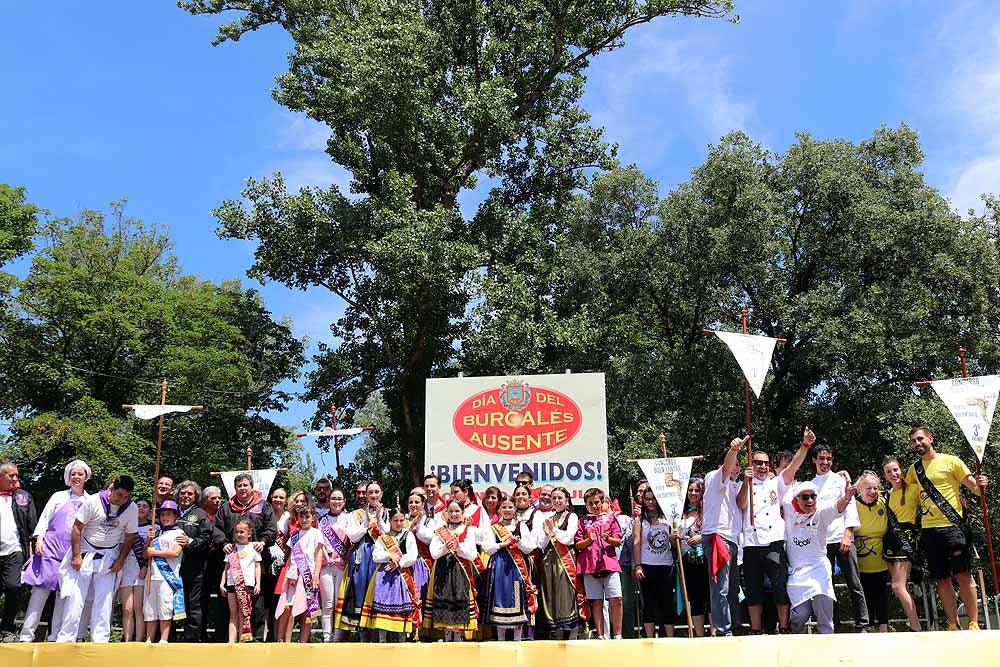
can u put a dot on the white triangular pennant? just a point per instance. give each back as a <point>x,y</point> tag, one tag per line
<point>329,431</point>
<point>972,402</point>
<point>753,354</point>
<point>262,480</point>
<point>154,411</point>
<point>668,479</point>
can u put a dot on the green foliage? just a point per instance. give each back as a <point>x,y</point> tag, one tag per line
<point>420,98</point>
<point>102,315</point>
<point>18,222</point>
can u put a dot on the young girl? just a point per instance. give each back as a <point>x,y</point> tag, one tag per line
<point>133,581</point>
<point>508,598</point>
<point>300,597</point>
<point>693,553</point>
<point>241,582</point>
<point>451,596</point>
<point>393,600</point>
<point>900,547</point>
<point>561,588</point>
<point>654,566</point>
<point>165,602</point>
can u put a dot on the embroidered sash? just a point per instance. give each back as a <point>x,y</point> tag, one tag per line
<point>242,595</point>
<point>568,563</point>
<point>306,575</point>
<point>522,566</point>
<point>174,581</point>
<point>392,546</point>
<point>452,541</point>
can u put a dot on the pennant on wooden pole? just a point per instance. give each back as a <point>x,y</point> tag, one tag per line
<point>753,354</point>
<point>972,402</point>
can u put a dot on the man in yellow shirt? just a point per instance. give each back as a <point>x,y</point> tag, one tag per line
<point>944,541</point>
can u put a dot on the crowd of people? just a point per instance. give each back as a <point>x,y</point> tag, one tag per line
<point>509,566</point>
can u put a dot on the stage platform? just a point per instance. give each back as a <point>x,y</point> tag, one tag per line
<point>930,649</point>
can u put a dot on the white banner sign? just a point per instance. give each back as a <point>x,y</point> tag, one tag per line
<point>154,411</point>
<point>668,479</point>
<point>753,354</point>
<point>489,429</point>
<point>972,402</point>
<point>328,431</point>
<point>262,480</point>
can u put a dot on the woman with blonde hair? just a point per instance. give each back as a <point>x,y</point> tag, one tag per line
<point>900,545</point>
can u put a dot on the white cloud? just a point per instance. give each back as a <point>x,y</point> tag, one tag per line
<point>972,180</point>
<point>631,92</point>
<point>299,132</point>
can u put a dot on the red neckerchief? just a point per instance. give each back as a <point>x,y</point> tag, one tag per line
<point>235,505</point>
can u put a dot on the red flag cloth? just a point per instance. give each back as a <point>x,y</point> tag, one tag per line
<point>616,508</point>
<point>720,556</point>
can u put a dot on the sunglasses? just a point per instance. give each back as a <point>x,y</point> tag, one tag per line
<point>761,463</point>
<point>807,496</point>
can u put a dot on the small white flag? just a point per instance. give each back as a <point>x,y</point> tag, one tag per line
<point>668,479</point>
<point>154,411</point>
<point>972,402</point>
<point>329,431</point>
<point>262,480</point>
<point>753,354</point>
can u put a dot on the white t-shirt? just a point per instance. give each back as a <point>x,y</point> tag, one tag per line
<point>9,542</point>
<point>768,525</point>
<point>654,544</point>
<point>721,513</point>
<point>248,556</point>
<point>55,503</point>
<point>309,540</point>
<point>831,489</point>
<point>167,539</point>
<point>105,530</point>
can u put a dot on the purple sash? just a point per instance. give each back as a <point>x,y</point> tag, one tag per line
<point>338,545</point>
<point>312,594</point>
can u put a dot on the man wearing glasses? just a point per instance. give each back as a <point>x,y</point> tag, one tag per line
<point>763,543</point>
<point>807,521</point>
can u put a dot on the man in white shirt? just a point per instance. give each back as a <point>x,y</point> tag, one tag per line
<point>763,543</point>
<point>720,535</point>
<point>103,533</point>
<point>807,521</point>
<point>840,535</point>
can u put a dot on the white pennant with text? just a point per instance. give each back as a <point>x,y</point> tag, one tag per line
<point>972,402</point>
<point>753,354</point>
<point>154,411</point>
<point>668,479</point>
<point>262,480</point>
<point>338,432</point>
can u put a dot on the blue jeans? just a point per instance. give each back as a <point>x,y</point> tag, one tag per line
<point>724,593</point>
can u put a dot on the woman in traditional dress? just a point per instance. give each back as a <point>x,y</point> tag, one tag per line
<point>563,602</point>
<point>523,510</point>
<point>693,553</point>
<point>364,527</point>
<point>50,542</point>
<point>507,600</point>
<point>422,527</point>
<point>132,586</point>
<point>899,548</point>
<point>392,604</point>
<point>491,503</point>
<point>300,593</point>
<point>451,596</point>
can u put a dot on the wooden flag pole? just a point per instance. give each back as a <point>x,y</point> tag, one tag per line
<point>982,497</point>
<point>156,476</point>
<point>680,558</point>
<point>336,447</point>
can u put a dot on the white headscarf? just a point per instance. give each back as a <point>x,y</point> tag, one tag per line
<point>75,464</point>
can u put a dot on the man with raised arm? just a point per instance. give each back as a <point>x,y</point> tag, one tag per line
<point>810,577</point>
<point>720,535</point>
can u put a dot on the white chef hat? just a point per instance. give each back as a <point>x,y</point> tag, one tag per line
<point>75,464</point>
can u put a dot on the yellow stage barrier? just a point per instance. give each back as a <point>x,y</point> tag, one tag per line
<point>931,649</point>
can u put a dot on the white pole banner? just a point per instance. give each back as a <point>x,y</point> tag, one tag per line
<point>328,431</point>
<point>154,411</point>
<point>489,429</point>
<point>262,480</point>
<point>753,354</point>
<point>972,402</point>
<point>668,479</point>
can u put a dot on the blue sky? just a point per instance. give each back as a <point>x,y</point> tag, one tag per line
<point>129,99</point>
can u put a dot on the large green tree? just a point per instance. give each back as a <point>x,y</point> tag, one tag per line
<point>420,98</point>
<point>102,315</point>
